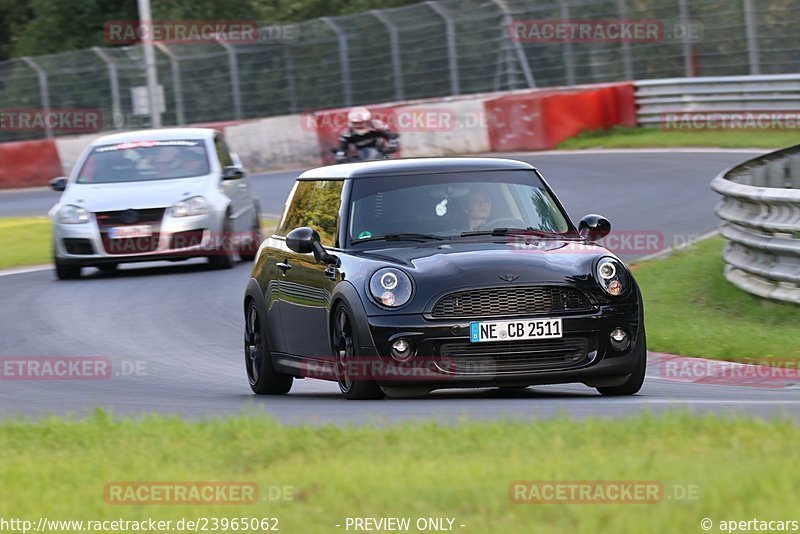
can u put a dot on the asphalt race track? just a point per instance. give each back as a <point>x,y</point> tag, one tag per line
<point>173,332</point>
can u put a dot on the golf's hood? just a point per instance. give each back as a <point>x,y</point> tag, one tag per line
<point>134,195</point>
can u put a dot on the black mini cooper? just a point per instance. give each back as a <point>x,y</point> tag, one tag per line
<point>400,277</point>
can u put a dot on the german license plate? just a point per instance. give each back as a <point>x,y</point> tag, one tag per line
<point>515,330</point>
<point>130,232</point>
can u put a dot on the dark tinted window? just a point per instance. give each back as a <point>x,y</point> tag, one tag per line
<point>451,203</point>
<point>223,154</point>
<point>315,204</point>
<point>145,160</point>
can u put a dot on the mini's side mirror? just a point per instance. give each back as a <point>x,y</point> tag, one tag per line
<point>232,173</point>
<point>58,184</point>
<point>304,240</point>
<point>594,227</point>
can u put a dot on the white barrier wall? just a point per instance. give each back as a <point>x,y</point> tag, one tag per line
<point>275,143</point>
<point>443,128</point>
<point>70,148</point>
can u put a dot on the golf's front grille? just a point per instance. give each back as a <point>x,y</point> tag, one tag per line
<point>508,357</point>
<point>130,246</point>
<point>501,301</point>
<point>125,217</point>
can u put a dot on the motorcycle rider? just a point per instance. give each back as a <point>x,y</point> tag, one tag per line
<point>367,135</point>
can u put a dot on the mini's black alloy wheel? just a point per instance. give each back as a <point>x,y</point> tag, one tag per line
<point>263,378</point>
<point>345,346</point>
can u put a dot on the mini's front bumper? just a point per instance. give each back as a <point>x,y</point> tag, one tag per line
<point>173,238</point>
<point>445,357</point>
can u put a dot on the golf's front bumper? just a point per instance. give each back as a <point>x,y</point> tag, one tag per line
<point>174,238</point>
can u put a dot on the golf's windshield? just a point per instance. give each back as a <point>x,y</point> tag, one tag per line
<point>446,205</point>
<point>144,161</point>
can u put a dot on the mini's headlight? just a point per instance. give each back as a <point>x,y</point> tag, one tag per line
<point>71,214</point>
<point>189,207</point>
<point>611,277</point>
<point>390,287</point>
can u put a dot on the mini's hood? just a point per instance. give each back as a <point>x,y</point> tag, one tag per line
<point>133,195</point>
<point>438,269</point>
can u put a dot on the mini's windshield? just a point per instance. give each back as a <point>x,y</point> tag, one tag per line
<point>144,161</point>
<point>452,205</point>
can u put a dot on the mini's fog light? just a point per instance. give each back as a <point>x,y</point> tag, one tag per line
<point>619,339</point>
<point>401,350</point>
<point>615,287</point>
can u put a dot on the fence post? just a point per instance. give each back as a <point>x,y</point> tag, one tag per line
<point>234,67</point>
<point>515,44</point>
<point>113,78</point>
<point>752,37</point>
<point>291,87</point>
<point>569,51</point>
<point>627,62</point>
<point>44,94</point>
<point>688,67</point>
<point>177,87</point>
<point>452,49</point>
<point>394,42</point>
<point>344,60</point>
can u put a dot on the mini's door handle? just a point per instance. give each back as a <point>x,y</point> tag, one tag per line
<point>283,266</point>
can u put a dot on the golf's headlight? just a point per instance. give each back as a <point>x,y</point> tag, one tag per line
<point>190,206</point>
<point>390,287</point>
<point>70,214</point>
<point>611,276</point>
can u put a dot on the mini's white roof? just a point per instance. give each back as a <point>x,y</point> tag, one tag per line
<point>162,134</point>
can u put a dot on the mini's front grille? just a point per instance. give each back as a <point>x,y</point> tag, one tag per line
<point>78,246</point>
<point>502,301</point>
<point>126,217</point>
<point>466,358</point>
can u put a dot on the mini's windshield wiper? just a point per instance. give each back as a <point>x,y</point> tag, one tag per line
<point>399,237</point>
<point>505,231</point>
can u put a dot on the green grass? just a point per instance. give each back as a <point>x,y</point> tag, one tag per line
<point>59,469</point>
<point>690,309</point>
<point>630,137</point>
<point>24,241</point>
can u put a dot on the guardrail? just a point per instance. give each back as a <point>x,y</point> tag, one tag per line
<point>768,93</point>
<point>760,218</point>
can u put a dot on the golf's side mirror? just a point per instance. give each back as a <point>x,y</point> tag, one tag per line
<point>232,173</point>
<point>58,184</point>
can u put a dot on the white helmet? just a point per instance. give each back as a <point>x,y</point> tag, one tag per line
<point>359,120</point>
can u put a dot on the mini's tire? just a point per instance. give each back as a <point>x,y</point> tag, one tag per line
<point>261,373</point>
<point>636,379</point>
<point>345,342</point>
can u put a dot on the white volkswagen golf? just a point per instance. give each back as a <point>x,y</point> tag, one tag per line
<point>152,195</point>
